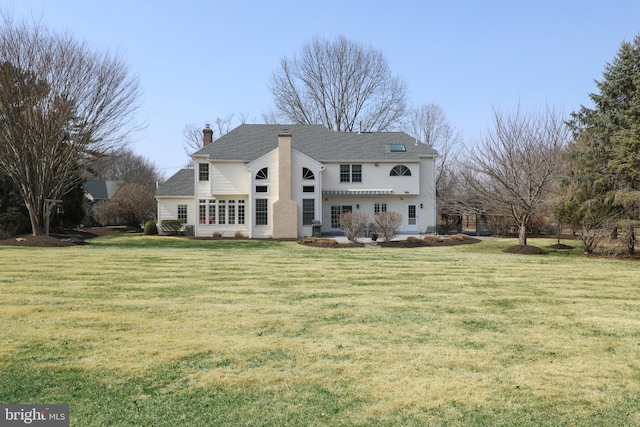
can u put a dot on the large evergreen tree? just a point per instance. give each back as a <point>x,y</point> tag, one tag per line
<point>605,160</point>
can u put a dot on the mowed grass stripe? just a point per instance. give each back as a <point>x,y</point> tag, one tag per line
<point>266,333</point>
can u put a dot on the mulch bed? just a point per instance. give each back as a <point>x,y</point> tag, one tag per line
<point>413,243</point>
<point>525,250</point>
<point>68,238</point>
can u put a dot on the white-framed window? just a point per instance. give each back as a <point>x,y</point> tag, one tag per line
<point>307,174</point>
<point>262,211</point>
<point>308,211</point>
<point>263,173</point>
<point>350,173</point>
<point>336,212</point>
<point>182,213</point>
<point>379,207</point>
<point>240,211</point>
<point>220,211</point>
<point>400,170</point>
<point>232,211</point>
<point>203,171</point>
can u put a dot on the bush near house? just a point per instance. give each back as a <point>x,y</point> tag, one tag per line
<point>387,224</point>
<point>353,223</point>
<point>150,228</point>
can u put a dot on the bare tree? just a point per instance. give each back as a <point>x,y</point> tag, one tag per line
<point>60,105</point>
<point>132,205</point>
<point>127,167</point>
<point>429,125</point>
<point>513,168</point>
<point>339,84</point>
<point>192,134</point>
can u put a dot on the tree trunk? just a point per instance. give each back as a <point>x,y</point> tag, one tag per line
<point>38,226</point>
<point>522,234</point>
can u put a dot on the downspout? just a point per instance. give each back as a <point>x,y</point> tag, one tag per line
<point>248,214</point>
<point>320,213</point>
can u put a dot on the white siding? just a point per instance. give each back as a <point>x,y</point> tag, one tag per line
<point>270,161</point>
<point>375,177</point>
<point>229,179</point>
<point>168,209</point>
<point>427,216</point>
<point>300,161</point>
<point>417,189</point>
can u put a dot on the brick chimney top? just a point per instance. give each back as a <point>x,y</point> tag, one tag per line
<point>207,135</point>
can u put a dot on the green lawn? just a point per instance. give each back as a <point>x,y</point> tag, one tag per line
<point>146,330</point>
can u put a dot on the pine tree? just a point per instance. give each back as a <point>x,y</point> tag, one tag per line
<point>605,157</point>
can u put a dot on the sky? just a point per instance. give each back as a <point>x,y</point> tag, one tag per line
<point>199,60</point>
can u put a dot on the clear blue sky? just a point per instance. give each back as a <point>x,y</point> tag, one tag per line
<point>202,59</point>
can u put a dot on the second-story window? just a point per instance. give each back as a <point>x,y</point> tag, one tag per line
<point>350,173</point>
<point>307,174</point>
<point>400,170</point>
<point>263,173</point>
<point>203,171</point>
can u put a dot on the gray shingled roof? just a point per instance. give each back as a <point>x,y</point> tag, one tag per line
<point>249,142</point>
<point>101,190</point>
<point>180,184</point>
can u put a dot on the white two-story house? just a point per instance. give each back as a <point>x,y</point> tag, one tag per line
<point>277,181</point>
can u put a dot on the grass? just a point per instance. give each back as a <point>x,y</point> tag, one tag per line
<point>144,330</point>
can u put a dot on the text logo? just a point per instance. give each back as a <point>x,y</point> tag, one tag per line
<point>34,415</point>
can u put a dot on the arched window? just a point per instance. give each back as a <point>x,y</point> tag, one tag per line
<point>263,173</point>
<point>400,170</point>
<point>307,174</point>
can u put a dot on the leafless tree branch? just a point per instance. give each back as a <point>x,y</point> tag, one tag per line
<point>61,104</point>
<point>339,84</point>
<point>514,167</point>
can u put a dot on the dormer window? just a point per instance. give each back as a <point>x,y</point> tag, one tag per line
<point>307,174</point>
<point>400,170</point>
<point>263,173</point>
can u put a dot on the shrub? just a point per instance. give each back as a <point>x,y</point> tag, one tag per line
<point>216,235</point>
<point>318,241</point>
<point>13,223</point>
<point>459,237</point>
<point>172,227</point>
<point>413,239</point>
<point>432,239</point>
<point>353,223</point>
<point>150,228</point>
<point>387,224</point>
<point>238,234</point>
